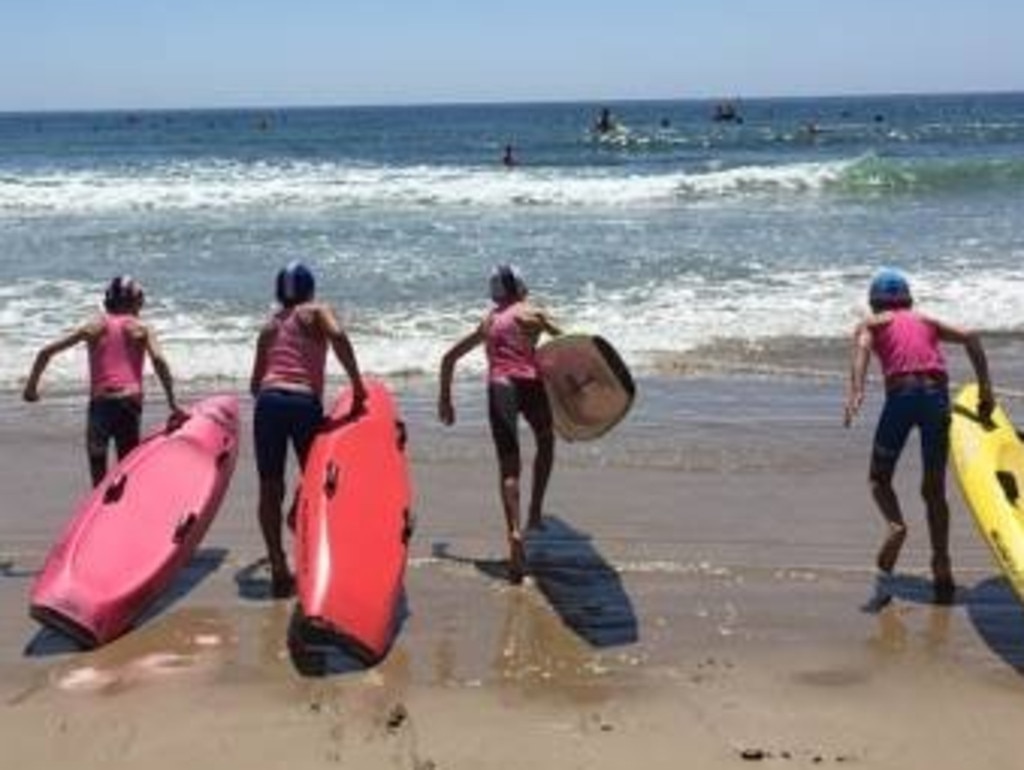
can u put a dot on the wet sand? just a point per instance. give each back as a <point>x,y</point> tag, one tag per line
<point>702,597</point>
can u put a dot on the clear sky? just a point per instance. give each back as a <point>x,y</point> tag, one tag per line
<point>77,54</point>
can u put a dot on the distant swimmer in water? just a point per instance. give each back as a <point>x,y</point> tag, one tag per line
<point>605,123</point>
<point>812,130</point>
<point>726,112</point>
<point>508,159</point>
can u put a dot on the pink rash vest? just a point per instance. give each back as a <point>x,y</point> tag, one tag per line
<point>908,344</point>
<point>295,357</point>
<point>115,360</point>
<point>510,351</point>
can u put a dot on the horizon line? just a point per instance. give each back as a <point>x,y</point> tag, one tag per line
<point>443,103</point>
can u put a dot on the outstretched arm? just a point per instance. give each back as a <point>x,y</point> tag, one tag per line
<point>343,351</point>
<point>42,359</point>
<point>445,410</point>
<point>162,369</point>
<point>259,363</point>
<point>860,357</point>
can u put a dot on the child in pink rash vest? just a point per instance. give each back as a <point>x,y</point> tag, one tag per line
<point>118,344</point>
<point>288,381</point>
<point>908,347</point>
<point>509,334</point>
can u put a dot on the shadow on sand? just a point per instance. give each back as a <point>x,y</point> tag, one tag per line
<point>8,570</point>
<point>992,606</point>
<point>317,652</point>
<point>909,588</point>
<point>580,585</point>
<point>998,615</point>
<point>47,641</point>
<point>253,580</point>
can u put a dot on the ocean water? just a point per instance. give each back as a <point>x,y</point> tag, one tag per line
<point>673,235</point>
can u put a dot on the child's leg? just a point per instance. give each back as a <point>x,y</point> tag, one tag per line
<point>270,498</point>
<point>542,464</point>
<point>503,413</point>
<point>270,439</point>
<point>125,425</point>
<point>97,467</point>
<point>894,426</point>
<point>537,411</point>
<point>934,457</point>
<point>933,489</point>
<point>97,438</point>
<point>308,419</point>
<point>889,506</point>
<point>509,468</point>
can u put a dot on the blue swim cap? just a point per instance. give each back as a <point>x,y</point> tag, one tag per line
<point>295,284</point>
<point>507,284</point>
<point>889,289</point>
<point>123,295</point>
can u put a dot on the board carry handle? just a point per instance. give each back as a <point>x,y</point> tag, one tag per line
<point>408,527</point>
<point>331,479</point>
<point>974,417</point>
<point>115,490</point>
<point>1008,483</point>
<point>401,435</point>
<point>184,526</point>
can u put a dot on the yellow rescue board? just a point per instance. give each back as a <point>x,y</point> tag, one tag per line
<point>989,462</point>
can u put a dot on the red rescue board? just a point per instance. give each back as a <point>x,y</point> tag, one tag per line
<point>353,525</point>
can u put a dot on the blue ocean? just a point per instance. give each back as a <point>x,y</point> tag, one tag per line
<point>678,236</point>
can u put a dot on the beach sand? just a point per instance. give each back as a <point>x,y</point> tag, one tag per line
<point>701,598</point>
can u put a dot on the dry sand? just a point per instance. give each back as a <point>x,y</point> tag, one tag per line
<point>700,599</point>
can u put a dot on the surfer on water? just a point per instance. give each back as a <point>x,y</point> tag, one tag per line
<point>288,382</point>
<point>509,334</point>
<point>118,343</point>
<point>907,344</point>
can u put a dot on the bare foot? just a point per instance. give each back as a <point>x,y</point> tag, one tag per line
<point>517,559</point>
<point>282,586</point>
<point>945,586</point>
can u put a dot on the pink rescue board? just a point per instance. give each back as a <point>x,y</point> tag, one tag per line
<point>133,532</point>
<point>353,525</point>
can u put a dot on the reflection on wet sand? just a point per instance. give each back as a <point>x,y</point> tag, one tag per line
<point>183,642</point>
<point>536,654</point>
<point>992,607</point>
<point>549,634</point>
<point>894,636</point>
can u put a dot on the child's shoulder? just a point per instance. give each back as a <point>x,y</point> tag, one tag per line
<point>93,326</point>
<point>877,320</point>
<point>530,309</point>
